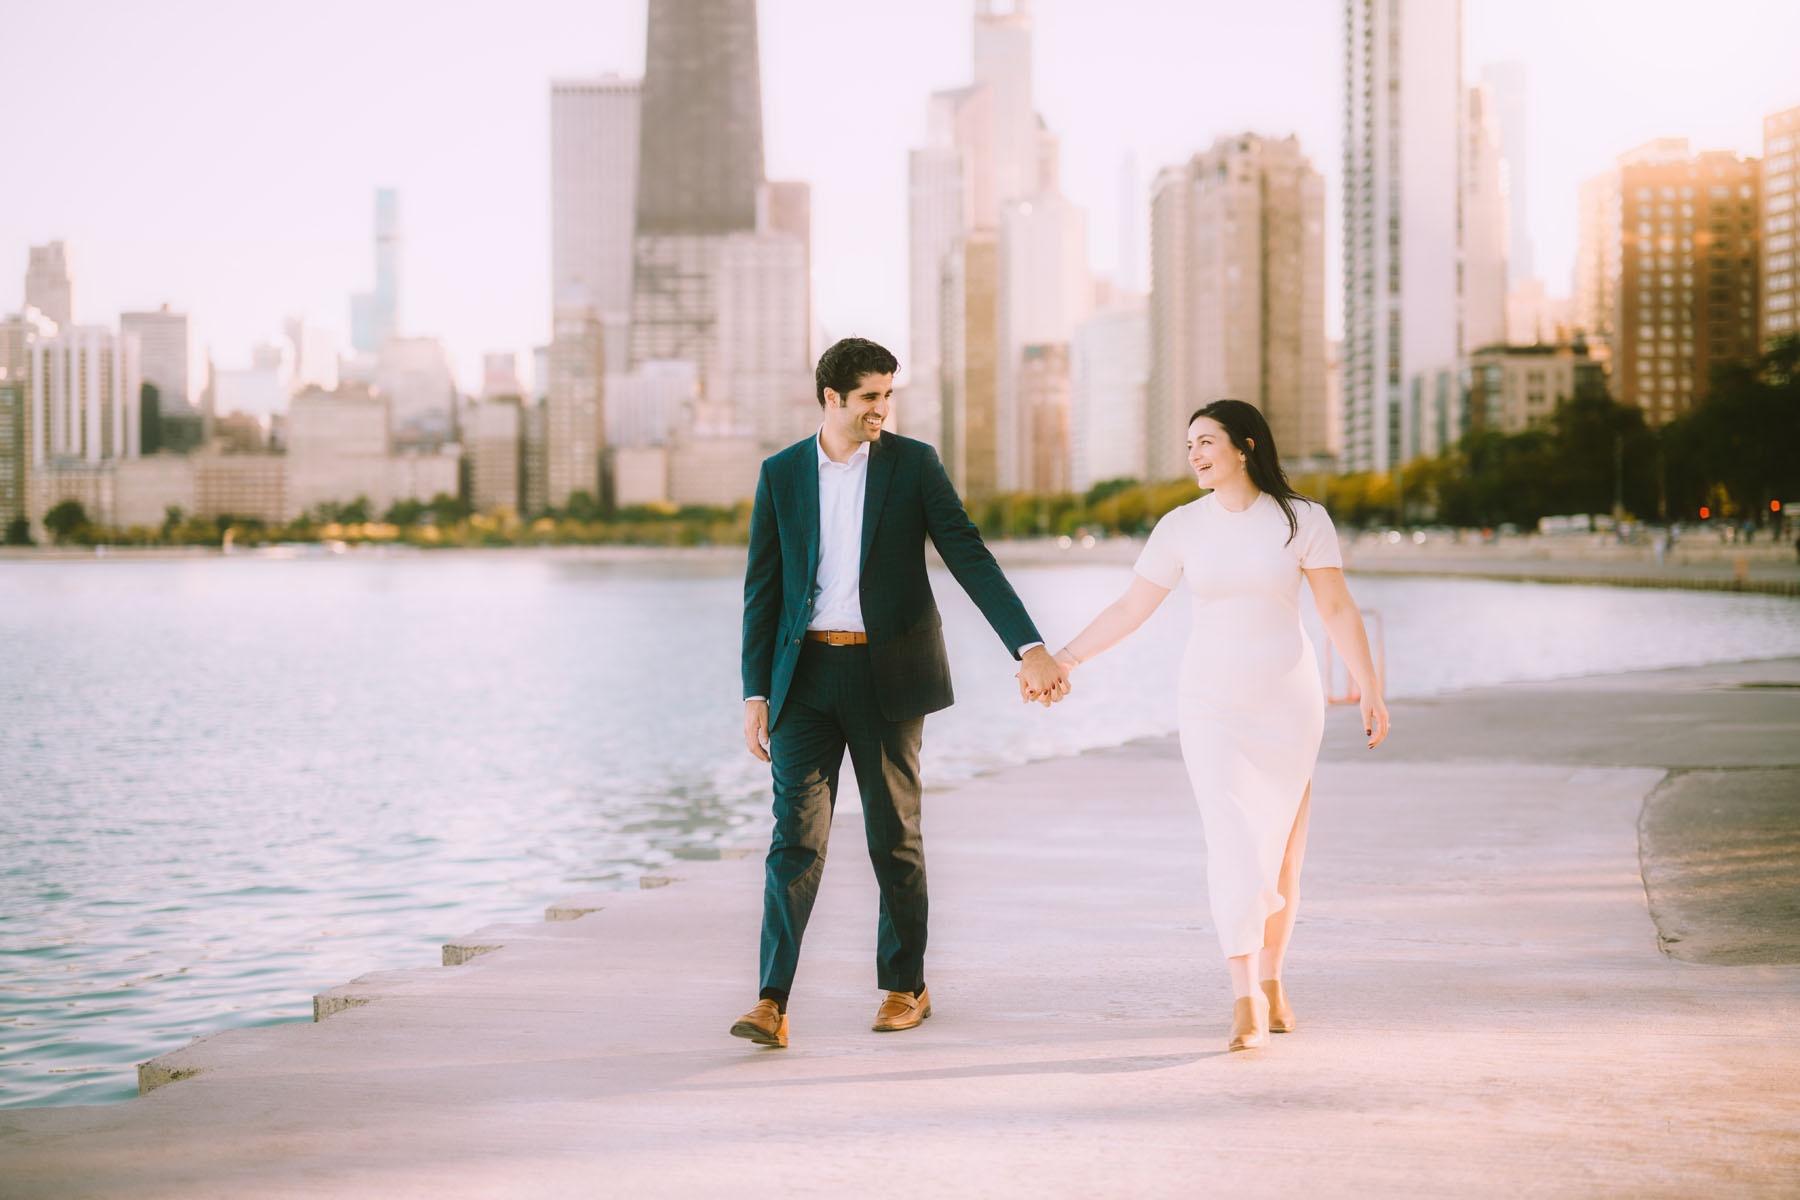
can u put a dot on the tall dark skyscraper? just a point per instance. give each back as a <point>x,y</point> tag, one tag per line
<point>702,147</point>
<point>700,167</point>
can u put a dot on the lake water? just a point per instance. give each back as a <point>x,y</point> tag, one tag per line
<point>229,783</point>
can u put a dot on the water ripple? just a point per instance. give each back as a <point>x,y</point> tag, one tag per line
<point>226,785</point>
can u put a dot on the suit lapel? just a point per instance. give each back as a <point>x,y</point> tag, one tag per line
<point>881,470</point>
<point>806,463</point>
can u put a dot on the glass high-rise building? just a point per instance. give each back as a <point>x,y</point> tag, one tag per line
<point>594,127</point>
<point>375,315</point>
<point>1403,108</point>
<point>50,284</point>
<point>700,166</point>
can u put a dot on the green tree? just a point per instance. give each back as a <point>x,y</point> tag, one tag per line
<point>404,513</point>
<point>66,520</point>
<point>1108,487</point>
<point>447,509</point>
<point>1742,439</point>
<point>18,532</point>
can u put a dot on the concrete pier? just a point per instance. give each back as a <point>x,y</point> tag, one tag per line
<point>1489,1003</point>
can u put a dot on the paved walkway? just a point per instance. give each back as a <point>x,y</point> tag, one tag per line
<point>1484,1008</point>
<point>1774,576</point>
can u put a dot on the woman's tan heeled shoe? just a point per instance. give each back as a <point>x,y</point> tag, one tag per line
<point>1249,1023</point>
<point>1281,1013</point>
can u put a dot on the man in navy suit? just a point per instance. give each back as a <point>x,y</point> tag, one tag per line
<point>843,648</point>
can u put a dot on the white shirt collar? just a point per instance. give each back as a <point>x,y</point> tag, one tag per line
<point>819,445</point>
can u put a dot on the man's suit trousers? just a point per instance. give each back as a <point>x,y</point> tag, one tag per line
<point>831,705</point>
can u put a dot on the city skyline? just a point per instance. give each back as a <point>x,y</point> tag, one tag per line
<point>260,209</point>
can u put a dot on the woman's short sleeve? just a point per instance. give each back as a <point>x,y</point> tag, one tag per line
<point>1316,540</point>
<point>1160,560</point>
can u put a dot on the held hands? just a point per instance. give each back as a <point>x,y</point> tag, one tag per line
<point>1375,719</point>
<point>756,727</point>
<point>1043,678</point>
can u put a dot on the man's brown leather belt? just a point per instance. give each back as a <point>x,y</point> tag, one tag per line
<point>833,637</point>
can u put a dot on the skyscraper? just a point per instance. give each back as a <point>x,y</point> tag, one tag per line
<point>762,371</point>
<point>1042,388</point>
<point>375,315</point>
<point>970,316</point>
<point>1688,278</point>
<point>1403,106</point>
<point>702,146</point>
<point>492,448</point>
<point>594,125</point>
<point>786,209</point>
<point>1109,366</point>
<point>414,375</point>
<point>949,190</point>
<point>315,355</point>
<point>1598,257</point>
<point>1506,87</point>
<point>1780,211</point>
<point>1045,290</point>
<point>1002,63</point>
<point>15,456</point>
<point>1237,275</point>
<point>500,375</point>
<point>700,167</point>
<point>574,417</point>
<point>1485,221</point>
<point>49,284</point>
<point>1129,275</point>
<point>163,349</point>
<point>83,397</point>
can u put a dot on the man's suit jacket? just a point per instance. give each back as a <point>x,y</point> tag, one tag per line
<point>908,498</point>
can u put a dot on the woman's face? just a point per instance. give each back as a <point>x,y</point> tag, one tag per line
<point>1216,462</point>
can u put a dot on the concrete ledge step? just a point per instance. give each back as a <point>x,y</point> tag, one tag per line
<point>335,1001</point>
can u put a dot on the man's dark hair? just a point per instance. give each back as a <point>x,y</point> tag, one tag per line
<point>842,367</point>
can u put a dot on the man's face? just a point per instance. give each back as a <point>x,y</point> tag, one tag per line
<point>860,415</point>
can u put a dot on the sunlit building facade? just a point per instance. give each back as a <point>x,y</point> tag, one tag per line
<point>1781,225</point>
<point>1688,283</point>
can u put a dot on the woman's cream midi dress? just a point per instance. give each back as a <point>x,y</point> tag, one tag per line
<point>1252,709</point>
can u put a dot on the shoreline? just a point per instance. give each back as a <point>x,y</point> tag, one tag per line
<point>1704,568</point>
<point>592,1044</point>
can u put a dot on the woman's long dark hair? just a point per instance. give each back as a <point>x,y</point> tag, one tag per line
<point>1249,432</point>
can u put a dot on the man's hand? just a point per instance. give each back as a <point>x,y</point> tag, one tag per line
<point>1042,678</point>
<point>756,727</point>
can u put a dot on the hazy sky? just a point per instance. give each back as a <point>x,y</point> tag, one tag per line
<point>223,155</point>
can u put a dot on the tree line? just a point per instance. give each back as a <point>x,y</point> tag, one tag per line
<point>1734,454</point>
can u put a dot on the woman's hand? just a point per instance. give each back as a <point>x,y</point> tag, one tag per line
<point>1375,719</point>
<point>1067,661</point>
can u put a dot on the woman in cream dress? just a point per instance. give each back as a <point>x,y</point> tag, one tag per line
<point>1252,710</point>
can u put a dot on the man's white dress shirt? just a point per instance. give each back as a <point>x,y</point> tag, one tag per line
<point>837,602</point>
<point>837,596</point>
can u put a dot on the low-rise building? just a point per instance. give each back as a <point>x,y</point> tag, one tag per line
<point>1515,388</point>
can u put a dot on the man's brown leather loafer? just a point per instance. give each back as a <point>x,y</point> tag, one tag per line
<point>765,1025</point>
<point>902,1010</point>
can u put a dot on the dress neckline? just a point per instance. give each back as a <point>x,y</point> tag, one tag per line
<point>1245,511</point>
